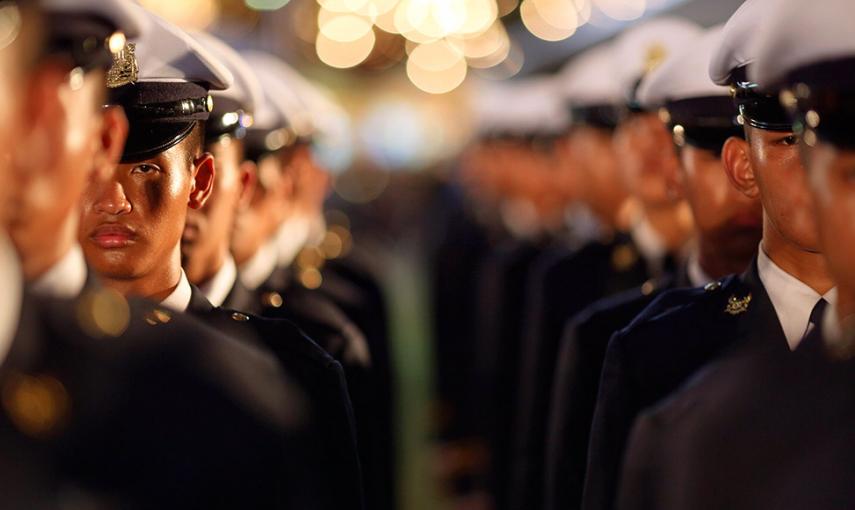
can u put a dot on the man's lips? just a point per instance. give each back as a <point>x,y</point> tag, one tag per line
<point>113,236</point>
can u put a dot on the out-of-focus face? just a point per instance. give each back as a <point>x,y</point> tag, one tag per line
<point>311,182</point>
<point>593,154</point>
<point>646,159</point>
<point>269,206</point>
<point>131,224</point>
<point>831,178</point>
<point>207,231</point>
<point>722,214</point>
<point>15,61</point>
<point>787,202</point>
<point>61,158</point>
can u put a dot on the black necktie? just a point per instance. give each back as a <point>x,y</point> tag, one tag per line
<point>816,316</point>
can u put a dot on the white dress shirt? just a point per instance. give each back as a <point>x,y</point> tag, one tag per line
<point>179,300</point>
<point>218,287</point>
<point>697,276</point>
<point>291,238</point>
<point>10,295</point>
<point>66,278</point>
<point>260,266</point>
<point>792,299</point>
<point>650,244</point>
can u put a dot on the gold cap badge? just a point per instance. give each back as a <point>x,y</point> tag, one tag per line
<point>125,68</point>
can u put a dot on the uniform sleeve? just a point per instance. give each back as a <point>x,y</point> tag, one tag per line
<point>616,409</point>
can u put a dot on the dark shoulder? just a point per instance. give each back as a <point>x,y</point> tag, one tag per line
<point>281,336</point>
<point>685,307</point>
<point>619,309</point>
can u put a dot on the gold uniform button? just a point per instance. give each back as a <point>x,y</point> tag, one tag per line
<point>240,317</point>
<point>157,316</point>
<point>273,299</point>
<point>648,287</point>
<point>712,286</point>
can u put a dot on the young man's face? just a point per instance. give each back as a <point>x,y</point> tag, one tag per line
<point>831,177</point>
<point>132,222</point>
<point>722,214</point>
<point>646,158</point>
<point>779,175</point>
<point>208,230</point>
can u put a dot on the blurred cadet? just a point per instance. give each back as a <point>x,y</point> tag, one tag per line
<point>530,117</point>
<point>765,309</point>
<point>784,438</point>
<point>593,97</point>
<point>289,274</point>
<point>701,116</point>
<point>642,224</point>
<point>71,399</point>
<point>132,225</point>
<point>69,140</point>
<point>206,241</point>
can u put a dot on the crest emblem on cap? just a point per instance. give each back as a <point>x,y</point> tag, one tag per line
<point>655,55</point>
<point>125,68</point>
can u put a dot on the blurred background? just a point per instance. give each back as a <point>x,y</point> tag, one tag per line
<point>416,78</point>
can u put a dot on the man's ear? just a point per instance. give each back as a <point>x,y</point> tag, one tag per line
<point>113,135</point>
<point>248,176</point>
<point>737,165</point>
<point>203,180</point>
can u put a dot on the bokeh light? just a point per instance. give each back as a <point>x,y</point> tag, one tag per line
<point>344,54</point>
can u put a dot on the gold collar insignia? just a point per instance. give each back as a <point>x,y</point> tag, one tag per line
<point>736,306</point>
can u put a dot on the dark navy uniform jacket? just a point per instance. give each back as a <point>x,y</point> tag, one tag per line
<point>157,412</point>
<point>558,466</point>
<point>561,285</point>
<point>326,321</point>
<point>333,432</point>
<point>676,335</point>
<point>750,432</point>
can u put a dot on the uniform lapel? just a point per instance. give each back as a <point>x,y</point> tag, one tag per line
<point>759,326</point>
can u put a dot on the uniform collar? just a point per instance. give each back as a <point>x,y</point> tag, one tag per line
<point>792,299</point>
<point>260,266</point>
<point>697,276</point>
<point>218,287</point>
<point>66,278</point>
<point>179,300</point>
<point>291,238</point>
<point>11,293</point>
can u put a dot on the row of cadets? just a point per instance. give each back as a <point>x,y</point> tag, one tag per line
<point>278,258</point>
<point>700,116</point>
<point>107,401</point>
<point>133,222</point>
<point>523,120</point>
<point>628,169</point>
<point>766,427</point>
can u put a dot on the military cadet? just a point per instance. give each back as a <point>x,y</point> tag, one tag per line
<point>205,243</point>
<point>72,140</point>
<point>767,308</point>
<point>702,116</point>
<point>288,279</point>
<point>73,400</point>
<point>779,426</point>
<point>132,225</point>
